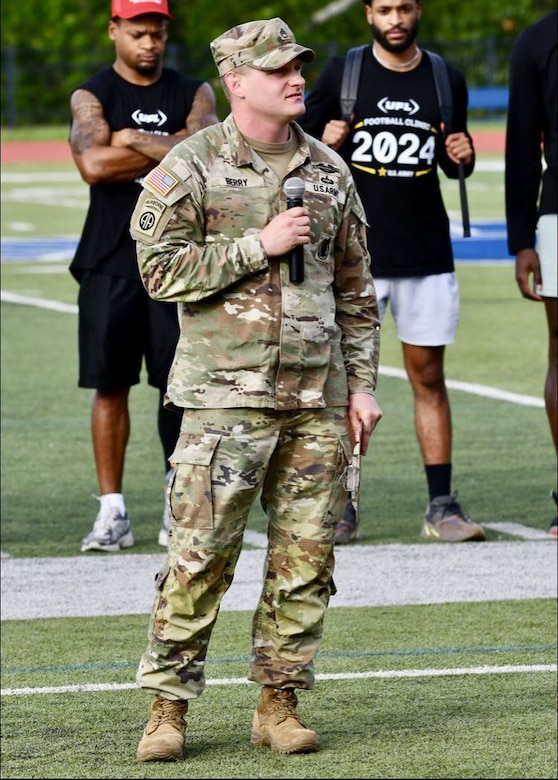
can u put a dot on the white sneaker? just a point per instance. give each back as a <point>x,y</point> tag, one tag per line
<point>163,538</point>
<point>111,532</point>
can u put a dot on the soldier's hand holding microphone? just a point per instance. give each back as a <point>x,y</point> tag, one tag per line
<point>289,231</point>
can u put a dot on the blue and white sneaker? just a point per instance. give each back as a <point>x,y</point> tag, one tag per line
<point>111,532</point>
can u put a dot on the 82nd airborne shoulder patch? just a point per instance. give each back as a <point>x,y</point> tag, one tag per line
<point>146,219</point>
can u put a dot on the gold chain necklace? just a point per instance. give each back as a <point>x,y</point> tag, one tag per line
<point>388,65</point>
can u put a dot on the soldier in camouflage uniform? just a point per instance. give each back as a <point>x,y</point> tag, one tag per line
<point>275,381</point>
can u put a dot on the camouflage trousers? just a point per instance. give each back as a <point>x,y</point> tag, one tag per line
<point>224,458</point>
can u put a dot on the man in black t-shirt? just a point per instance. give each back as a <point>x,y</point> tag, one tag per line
<point>393,144</point>
<point>124,121</point>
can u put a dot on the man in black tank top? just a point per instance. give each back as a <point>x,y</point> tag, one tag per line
<point>393,144</point>
<point>124,121</point>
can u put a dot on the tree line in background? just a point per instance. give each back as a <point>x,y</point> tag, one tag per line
<point>49,48</point>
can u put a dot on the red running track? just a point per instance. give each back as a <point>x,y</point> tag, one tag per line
<point>486,141</point>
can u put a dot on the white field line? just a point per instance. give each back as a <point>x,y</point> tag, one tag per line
<point>475,389</point>
<point>483,390</point>
<point>393,674</point>
<point>39,303</point>
<point>38,176</point>
<point>491,166</point>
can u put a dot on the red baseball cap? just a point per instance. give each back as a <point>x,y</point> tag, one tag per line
<point>128,9</point>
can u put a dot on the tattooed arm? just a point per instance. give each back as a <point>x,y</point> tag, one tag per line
<point>204,110</point>
<point>102,156</point>
<point>90,141</point>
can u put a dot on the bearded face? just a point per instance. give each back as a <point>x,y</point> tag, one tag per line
<point>403,43</point>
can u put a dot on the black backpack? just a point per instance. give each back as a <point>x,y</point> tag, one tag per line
<point>349,90</point>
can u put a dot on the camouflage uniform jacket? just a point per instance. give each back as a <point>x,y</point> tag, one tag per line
<point>249,337</point>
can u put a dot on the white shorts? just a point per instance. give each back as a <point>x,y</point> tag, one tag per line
<point>546,249</point>
<point>425,308</point>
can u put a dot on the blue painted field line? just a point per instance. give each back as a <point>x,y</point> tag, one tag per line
<point>55,249</point>
<point>487,242</point>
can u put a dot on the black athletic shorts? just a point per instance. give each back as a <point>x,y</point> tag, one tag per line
<point>119,327</point>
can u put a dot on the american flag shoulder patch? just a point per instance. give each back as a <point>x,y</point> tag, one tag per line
<point>161,180</point>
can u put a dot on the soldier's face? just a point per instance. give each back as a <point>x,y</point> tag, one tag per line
<point>275,94</point>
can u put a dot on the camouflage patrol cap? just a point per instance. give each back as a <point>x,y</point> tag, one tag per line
<point>266,44</point>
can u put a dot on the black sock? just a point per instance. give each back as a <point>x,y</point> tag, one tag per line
<point>439,480</point>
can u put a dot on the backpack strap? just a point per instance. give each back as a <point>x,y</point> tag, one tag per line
<point>445,100</point>
<point>351,76</point>
<point>443,89</point>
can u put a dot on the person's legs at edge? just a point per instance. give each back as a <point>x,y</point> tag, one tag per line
<point>550,389</point>
<point>547,242</point>
<point>550,385</point>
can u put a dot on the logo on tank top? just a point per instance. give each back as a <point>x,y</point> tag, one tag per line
<point>141,118</point>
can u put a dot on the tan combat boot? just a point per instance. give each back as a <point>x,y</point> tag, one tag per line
<point>163,736</point>
<point>277,725</point>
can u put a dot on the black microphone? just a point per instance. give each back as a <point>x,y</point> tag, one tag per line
<point>294,190</point>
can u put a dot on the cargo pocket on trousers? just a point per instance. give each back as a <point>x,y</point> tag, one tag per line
<point>191,497</point>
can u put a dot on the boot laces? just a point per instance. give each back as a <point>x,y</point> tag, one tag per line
<point>166,711</point>
<point>285,705</point>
